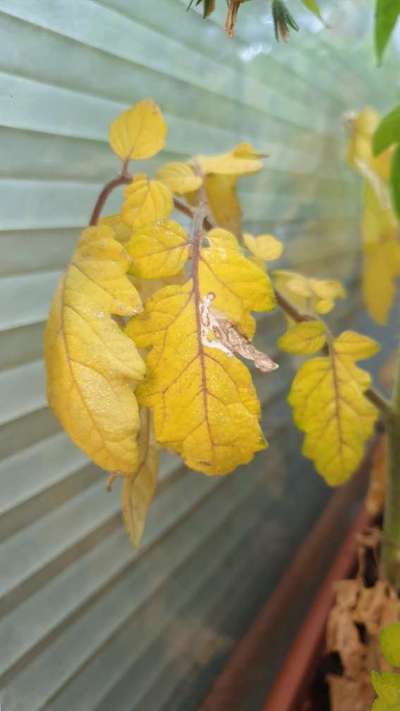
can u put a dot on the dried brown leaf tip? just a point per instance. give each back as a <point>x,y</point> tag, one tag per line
<point>220,333</point>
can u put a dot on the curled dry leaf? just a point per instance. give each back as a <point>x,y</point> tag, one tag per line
<point>92,366</point>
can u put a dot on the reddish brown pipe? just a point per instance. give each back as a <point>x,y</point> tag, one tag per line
<point>288,691</point>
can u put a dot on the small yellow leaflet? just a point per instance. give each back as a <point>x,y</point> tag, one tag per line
<point>138,490</point>
<point>138,132</point>
<point>226,272</point>
<point>303,338</point>
<point>265,248</point>
<point>313,296</point>
<point>179,177</point>
<point>158,250</point>
<point>329,405</point>
<point>92,367</point>
<point>146,201</point>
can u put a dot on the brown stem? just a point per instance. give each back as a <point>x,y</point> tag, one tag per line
<point>122,179</point>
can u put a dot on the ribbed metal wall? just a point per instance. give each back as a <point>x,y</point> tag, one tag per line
<point>85,622</point>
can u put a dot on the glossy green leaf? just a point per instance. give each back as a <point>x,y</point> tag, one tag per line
<point>388,132</point>
<point>386,15</point>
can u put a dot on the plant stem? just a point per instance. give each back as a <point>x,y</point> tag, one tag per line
<point>122,179</point>
<point>391,524</point>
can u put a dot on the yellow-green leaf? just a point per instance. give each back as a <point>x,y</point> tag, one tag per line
<point>329,405</point>
<point>389,640</point>
<point>303,338</point>
<point>92,366</point>
<point>179,177</point>
<point>264,247</point>
<point>138,489</point>
<point>138,132</point>
<point>387,687</point>
<point>239,285</point>
<point>204,403</point>
<point>159,249</point>
<point>146,201</point>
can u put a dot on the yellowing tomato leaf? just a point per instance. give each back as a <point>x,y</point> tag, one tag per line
<point>221,176</point>
<point>329,405</point>
<point>313,296</point>
<point>355,345</point>
<point>138,132</point>
<point>204,403</point>
<point>381,255</point>
<point>179,177</point>
<point>121,231</point>
<point>139,488</point>
<point>266,248</point>
<point>303,338</point>
<point>239,285</point>
<point>146,201</point>
<point>223,201</point>
<point>360,152</point>
<point>241,160</point>
<point>92,366</point>
<point>158,250</point>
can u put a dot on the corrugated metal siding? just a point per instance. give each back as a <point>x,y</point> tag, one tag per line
<point>85,622</point>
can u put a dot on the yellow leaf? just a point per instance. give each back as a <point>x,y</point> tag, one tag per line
<point>146,201</point>
<point>303,338</point>
<point>204,403</point>
<point>381,255</point>
<point>221,176</point>
<point>329,405</point>
<point>121,231</point>
<point>158,250</point>
<point>241,160</point>
<point>312,296</point>
<point>179,177</point>
<point>265,247</point>
<point>138,490</point>
<point>239,285</point>
<point>138,132</point>
<point>356,345</point>
<point>223,201</point>
<point>92,366</point>
<point>360,155</point>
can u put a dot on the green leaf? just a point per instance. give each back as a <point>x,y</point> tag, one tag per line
<point>313,6</point>
<point>388,132</point>
<point>389,640</point>
<point>395,181</point>
<point>386,15</point>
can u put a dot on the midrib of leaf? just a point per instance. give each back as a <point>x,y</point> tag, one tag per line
<point>197,299</point>
<point>336,388</point>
